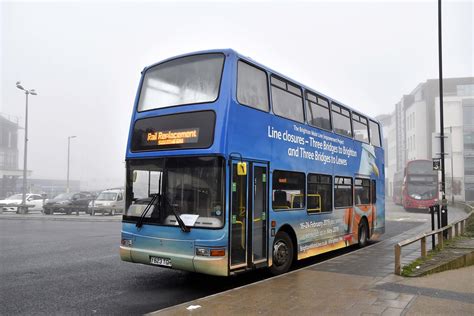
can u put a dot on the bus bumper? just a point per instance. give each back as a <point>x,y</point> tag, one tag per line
<point>180,261</point>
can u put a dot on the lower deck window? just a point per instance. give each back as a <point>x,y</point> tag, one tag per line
<point>288,190</point>
<point>319,193</point>
<point>362,191</point>
<point>342,192</point>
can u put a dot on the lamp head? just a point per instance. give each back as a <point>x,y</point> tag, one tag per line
<point>19,86</point>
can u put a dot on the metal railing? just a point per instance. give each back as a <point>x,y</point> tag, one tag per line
<point>454,229</point>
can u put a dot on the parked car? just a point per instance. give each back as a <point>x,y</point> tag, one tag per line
<point>11,203</point>
<point>109,201</point>
<point>68,203</point>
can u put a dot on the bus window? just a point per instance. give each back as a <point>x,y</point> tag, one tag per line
<point>374,192</point>
<point>287,100</point>
<point>252,87</point>
<point>374,133</point>
<point>318,111</point>
<point>361,132</point>
<point>288,190</point>
<point>319,193</point>
<point>186,80</point>
<point>341,120</point>
<point>362,191</point>
<point>342,192</point>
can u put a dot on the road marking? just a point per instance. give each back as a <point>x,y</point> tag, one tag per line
<point>193,307</point>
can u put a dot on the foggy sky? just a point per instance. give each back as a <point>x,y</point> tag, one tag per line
<point>84,59</point>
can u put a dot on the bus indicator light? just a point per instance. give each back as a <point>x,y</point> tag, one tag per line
<point>217,252</point>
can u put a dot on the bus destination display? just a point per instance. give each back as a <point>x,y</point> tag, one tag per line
<point>181,136</point>
<point>176,131</point>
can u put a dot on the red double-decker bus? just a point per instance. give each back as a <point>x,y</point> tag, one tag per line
<point>420,185</point>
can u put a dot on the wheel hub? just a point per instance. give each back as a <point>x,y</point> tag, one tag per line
<point>280,253</point>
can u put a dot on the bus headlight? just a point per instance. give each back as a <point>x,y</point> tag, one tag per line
<point>200,251</point>
<point>207,252</point>
<point>126,242</point>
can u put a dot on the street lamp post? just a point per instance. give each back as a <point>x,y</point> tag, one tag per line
<point>452,168</point>
<point>444,203</point>
<point>23,209</point>
<point>68,155</point>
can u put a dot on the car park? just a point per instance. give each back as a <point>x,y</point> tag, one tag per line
<point>68,203</point>
<point>109,201</point>
<point>33,201</point>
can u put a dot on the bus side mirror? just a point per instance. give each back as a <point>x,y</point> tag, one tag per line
<point>242,168</point>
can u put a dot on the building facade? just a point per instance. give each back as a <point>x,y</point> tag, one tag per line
<point>9,172</point>
<point>409,131</point>
<point>459,125</point>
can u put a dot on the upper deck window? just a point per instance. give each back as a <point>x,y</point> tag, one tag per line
<point>186,80</point>
<point>318,111</point>
<point>374,133</point>
<point>361,132</point>
<point>287,100</point>
<point>341,120</point>
<point>252,87</point>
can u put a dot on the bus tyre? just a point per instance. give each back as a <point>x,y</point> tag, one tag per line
<point>363,234</point>
<point>282,253</point>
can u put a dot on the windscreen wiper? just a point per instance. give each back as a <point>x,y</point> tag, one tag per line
<point>152,202</point>
<point>183,226</point>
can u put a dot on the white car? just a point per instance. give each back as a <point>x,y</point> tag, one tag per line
<point>109,201</point>
<point>11,203</point>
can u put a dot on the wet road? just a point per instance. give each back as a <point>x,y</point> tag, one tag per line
<point>73,267</point>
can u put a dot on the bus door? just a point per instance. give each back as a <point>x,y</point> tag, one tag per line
<point>249,214</point>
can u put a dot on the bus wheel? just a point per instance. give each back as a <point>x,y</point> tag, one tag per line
<point>363,234</point>
<point>282,253</point>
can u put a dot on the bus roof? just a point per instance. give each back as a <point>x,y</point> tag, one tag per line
<point>229,52</point>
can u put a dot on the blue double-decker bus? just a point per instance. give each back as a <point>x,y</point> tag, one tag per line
<point>232,166</point>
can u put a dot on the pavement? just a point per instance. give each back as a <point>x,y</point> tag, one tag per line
<point>366,286</point>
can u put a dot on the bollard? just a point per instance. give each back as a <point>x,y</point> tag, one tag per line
<point>450,232</point>
<point>444,219</point>
<point>423,247</point>
<point>398,254</point>
<point>433,210</point>
<point>440,240</point>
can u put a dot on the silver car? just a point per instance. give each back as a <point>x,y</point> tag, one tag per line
<point>108,202</point>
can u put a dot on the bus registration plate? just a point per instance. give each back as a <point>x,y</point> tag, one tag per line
<point>165,262</point>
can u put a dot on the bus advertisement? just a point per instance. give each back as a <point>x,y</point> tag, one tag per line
<point>232,166</point>
<point>420,185</point>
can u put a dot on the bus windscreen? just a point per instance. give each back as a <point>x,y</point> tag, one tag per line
<point>186,80</point>
<point>188,186</point>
